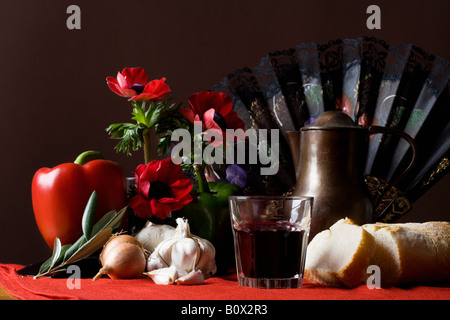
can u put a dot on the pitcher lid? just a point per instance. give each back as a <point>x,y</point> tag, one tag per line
<point>333,120</point>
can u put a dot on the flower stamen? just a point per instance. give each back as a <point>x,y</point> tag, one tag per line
<point>220,120</point>
<point>138,88</point>
<point>159,190</point>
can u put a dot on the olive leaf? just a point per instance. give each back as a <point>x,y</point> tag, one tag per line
<point>74,247</point>
<point>91,247</point>
<point>89,215</point>
<point>94,237</point>
<point>50,262</point>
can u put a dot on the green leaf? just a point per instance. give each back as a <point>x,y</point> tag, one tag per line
<point>74,248</point>
<point>169,119</point>
<point>164,117</point>
<point>62,254</point>
<point>95,242</point>
<point>129,134</point>
<point>89,215</point>
<point>50,262</point>
<point>56,252</point>
<point>90,247</point>
<point>139,115</point>
<point>154,116</point>
<point>45,266</point>
<point>104,221</point>
<point>114,223</point>
<point>82,248</point>
<point>94,237</point>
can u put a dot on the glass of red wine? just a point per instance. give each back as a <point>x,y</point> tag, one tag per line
<point>270,239</point>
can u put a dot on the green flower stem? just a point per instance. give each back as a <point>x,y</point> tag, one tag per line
<point>201,178</point>
<point>147,146</point>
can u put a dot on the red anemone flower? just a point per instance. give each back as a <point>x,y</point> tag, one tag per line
<point>214,109</point>
<point>161,188</point>
<point>132,83</point>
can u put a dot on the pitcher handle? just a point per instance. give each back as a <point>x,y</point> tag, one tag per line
<point>407,137</point>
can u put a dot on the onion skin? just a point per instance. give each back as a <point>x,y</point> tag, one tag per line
<point>115,240</point>
<point>122,260</point>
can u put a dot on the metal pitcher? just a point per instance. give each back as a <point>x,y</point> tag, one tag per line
<point>329,156</point>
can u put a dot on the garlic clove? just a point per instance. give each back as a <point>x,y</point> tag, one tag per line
<point>208,253</point>
<point>209,269</point>
<point>163,251</point>
<point>164,276</point>
<point>185,254</point>
<point>155,262</point>
<point>193,278</point>
<point>153,234</point>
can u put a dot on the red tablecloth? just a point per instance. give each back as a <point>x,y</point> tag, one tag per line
<point>216,288</point>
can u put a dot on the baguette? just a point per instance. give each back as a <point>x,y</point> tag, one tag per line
<point>439,233</point>
<point>406,253</point>
<point>339,256</point>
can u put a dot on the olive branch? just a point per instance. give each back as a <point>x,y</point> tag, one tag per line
<point>93,238</point>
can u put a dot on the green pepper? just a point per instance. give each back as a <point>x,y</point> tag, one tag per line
<point>208,211</point>
<point>219,193</point>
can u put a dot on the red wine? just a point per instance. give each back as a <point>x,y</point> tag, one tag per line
<point>265,251</point>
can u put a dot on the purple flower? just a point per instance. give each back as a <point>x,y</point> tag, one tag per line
<point>309,121</point>
<point>236,175</point>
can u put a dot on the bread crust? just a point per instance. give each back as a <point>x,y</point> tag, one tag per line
<point>352,273</point>
<point>406,253</point>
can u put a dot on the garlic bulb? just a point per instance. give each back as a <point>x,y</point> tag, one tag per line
<point>190,256</point>
<point>152,234</point>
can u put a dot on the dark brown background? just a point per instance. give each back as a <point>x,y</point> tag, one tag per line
<point>54,102</point>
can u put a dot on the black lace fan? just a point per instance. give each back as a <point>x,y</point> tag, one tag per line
<point>401,87</point>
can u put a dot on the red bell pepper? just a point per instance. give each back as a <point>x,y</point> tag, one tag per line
<point>60,194</point>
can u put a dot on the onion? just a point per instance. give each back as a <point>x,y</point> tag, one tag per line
<point>122,257</point>
<point>115,240</point>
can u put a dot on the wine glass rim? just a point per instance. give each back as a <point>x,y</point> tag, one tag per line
<point>268,197</point>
